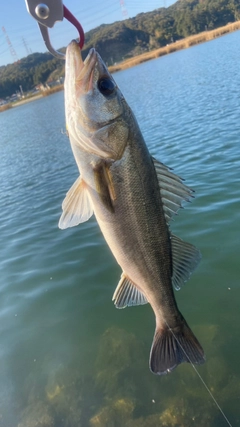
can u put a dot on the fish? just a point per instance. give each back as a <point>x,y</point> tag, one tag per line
<point>133,197</point>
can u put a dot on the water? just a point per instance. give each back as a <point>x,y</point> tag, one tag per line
<point>68,358</point>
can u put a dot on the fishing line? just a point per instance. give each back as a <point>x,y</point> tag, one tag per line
<point>199,376</point>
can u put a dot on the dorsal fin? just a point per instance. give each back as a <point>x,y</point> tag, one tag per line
<point>127,294</point>
<point>185,258</point>
<point>173,191</point>
<point>77,206</point>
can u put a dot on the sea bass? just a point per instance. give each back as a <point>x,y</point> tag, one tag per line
<point>133,197</point>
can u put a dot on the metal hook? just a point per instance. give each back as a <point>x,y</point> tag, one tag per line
<point>45,36</point>
<point>47,14</point>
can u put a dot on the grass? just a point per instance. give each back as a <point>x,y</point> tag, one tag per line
<point>52,90</point>
<point>179,45</point>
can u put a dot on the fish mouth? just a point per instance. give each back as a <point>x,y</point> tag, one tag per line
<point>88,70</point>
<point>83,70</point>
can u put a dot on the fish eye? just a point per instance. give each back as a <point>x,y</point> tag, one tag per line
<point>106,86</point>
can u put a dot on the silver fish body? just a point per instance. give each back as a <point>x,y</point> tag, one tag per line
<point>133,197</point>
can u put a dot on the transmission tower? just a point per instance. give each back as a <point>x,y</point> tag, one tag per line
<point>11,48</point>
<point>124,9</point>
<point>26,46</point>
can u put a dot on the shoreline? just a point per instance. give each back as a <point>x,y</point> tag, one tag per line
<point>31,98</point>
<point>26,100</point>
<point>147,56</point>
<point>176,46</point>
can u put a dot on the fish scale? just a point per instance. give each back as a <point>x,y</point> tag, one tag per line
<point>133,197</point>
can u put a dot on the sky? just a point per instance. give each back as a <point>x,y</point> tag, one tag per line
<point>19,32</point>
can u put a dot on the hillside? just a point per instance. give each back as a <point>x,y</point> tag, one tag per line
<point>126,39</point>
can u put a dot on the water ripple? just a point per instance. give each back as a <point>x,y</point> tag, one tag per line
<point>56,286</point>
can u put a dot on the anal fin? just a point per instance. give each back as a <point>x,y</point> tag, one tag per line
<point>127,294</point>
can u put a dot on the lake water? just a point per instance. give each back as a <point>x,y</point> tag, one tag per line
<point>68,357</point>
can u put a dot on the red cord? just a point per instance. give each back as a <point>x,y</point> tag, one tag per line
<point>68,15</point>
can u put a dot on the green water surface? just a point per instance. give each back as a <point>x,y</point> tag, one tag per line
<point>68,357</point>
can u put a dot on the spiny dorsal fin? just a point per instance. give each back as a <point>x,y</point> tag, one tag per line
<point>185,258</point>
<point>173,191</point>
<point>127,294</point>
<point>77,206</point>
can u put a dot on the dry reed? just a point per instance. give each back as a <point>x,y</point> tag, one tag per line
<point>5,107</point>
<point>178,45</point>
<point>52,90</point>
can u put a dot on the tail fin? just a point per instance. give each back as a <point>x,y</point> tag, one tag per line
<point>172,347</point>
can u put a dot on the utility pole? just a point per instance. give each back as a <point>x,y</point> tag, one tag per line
<point>22,94</point>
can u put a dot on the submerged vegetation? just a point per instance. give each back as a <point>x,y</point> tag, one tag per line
<point>120,388</point>
<point>126,39</point>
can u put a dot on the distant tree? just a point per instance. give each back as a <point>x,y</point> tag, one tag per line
<point>123,39</point>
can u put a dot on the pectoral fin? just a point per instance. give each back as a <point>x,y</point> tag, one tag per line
<point>185,259</point>
<point>77,206</point>
<point>127,294</point>
<point>104,185</point>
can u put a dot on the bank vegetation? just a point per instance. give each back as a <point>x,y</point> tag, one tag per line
<point>179,45</point>
<point>149,35</point>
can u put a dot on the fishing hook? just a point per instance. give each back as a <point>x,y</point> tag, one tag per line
<point>47,14</point>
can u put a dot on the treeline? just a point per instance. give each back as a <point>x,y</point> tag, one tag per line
<point>124,39</point>
<point>148,31</point>
<point>29,72</point>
